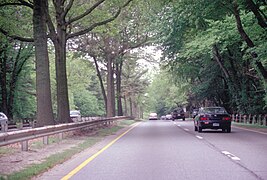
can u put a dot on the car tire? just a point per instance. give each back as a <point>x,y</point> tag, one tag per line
<point>228,130</point>
<point>199,129</point>
<point>183,119</point>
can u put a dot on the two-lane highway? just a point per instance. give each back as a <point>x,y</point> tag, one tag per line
<point>173,150</point>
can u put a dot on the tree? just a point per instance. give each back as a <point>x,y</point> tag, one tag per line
<point>202,42</point>
<point>64,30</point>
<point>44,104</point>
<point>13,57</point>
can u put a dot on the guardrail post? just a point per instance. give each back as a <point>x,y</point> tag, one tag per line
<point>254,119</point>
<point>249,119</point>
<point>3,126</point>
<point>264,120</point>
<point>245,119</point>
<point>236,118</point>
<point>24,146</point>
<point>60,136</point>
<point>45,140</point>
<point>259,120</point>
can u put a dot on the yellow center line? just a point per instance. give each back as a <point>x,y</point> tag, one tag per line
<point>82,165</point>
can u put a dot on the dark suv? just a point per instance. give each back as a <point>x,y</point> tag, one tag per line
<point>178,114</point>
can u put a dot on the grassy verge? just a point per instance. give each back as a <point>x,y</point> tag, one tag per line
<point>249,125</point>
<point>35,169</point>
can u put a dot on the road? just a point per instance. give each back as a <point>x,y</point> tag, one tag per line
<point>167,150</point>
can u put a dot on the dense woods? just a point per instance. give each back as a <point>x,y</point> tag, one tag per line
<point>93,56</point>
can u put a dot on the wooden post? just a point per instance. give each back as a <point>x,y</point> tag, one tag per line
<point>264,120</point>
<point>259,120</point>
<point>254,119</point>
<point>24,146</point>
<point>45,140</point>
<point>245,119</point>
<point>60,136</point>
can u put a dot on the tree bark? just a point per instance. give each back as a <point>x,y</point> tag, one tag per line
<point>44,103</point>
<point>118,83</point>
<point>110,87</point>
<point>59,40</point>
<point>3,74</point>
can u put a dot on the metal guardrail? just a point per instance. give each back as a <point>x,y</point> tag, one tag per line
<point>23,136</point>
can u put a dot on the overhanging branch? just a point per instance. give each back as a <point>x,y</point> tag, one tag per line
<point>16,37</point>
<point>86,13</point>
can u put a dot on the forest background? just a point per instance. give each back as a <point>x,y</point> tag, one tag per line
<point>56,56</point>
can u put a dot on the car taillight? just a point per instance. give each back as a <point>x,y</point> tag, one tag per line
<point>204,118</point>
<point>226,118</point>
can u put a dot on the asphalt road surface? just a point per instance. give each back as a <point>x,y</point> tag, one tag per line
<point>167,150</point>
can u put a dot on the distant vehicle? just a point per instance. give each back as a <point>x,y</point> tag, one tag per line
<point>3,117</point>
<point>168,117</point>
<point>178,114</point>
<point>3,122</point>
<point>194,113</point>
<point>75,115</point>
<point>153,116</point>
<point>212,118</point>
<point>163,117</point>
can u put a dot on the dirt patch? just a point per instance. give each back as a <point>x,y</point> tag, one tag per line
<point>12,159</point>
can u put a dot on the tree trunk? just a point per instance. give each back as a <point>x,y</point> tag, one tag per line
<point>255,9</point>
<point>125,106</point>
<point>118,83</point>
<point>218,58</point>
<point>101,83</point>
<point>44,103</point>
<point>113,90</point>
<point>131,106</point>
<point>110,89</point>
<point>3,81</point>
<point>63,109</point>
<point>249,42</point>
<point>59,40</point>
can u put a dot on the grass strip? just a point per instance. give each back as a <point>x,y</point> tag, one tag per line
<point>249,125</point>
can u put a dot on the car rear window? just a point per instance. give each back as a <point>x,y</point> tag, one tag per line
<point>215,110</point>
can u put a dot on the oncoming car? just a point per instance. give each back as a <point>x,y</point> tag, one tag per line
<point>75,115</point>
<point>212,118</point>
<point>153,116</point>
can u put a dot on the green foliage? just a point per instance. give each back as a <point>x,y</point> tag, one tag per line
<point>84,89</point>
<point>188,30</point>
<point>164,95</point>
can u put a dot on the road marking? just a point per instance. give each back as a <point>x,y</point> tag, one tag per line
<point>186,129</point>
<point>82,165</point>
<point>250,130</point>
<point>199,137</point>
<point>230,155</point>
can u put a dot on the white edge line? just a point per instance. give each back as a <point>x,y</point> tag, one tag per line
<point>199,137</point>
<point>230,155</point>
